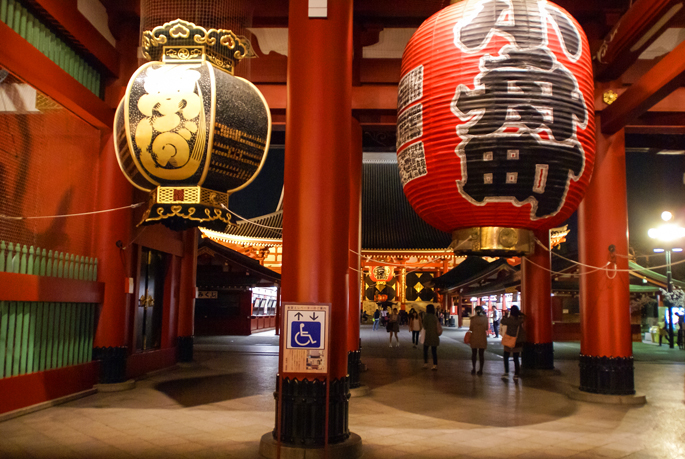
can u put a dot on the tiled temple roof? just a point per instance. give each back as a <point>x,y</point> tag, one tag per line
<point>263,229</point>
<point>388,220</point>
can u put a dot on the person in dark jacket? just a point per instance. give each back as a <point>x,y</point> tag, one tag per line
<point>515,328</point>
<point>432,337</point>
<point>376,318</point>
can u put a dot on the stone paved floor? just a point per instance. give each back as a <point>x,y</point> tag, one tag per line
<point>220,406</point>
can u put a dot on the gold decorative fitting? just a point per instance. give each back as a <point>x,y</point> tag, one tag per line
<point>178,41</point>
<point>183,54</point>
<point>609,97</point>
<point>189,195</point>
<point>493,241</point>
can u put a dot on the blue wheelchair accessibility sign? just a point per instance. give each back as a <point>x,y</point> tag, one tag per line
<point>305,334</point>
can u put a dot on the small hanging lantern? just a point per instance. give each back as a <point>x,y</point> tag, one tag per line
<point>495,130</point>
<point>187,130</point>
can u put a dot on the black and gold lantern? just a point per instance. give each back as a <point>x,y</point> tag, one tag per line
<point>188,131</point>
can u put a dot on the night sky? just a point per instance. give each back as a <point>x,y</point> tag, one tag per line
<point>655,184</point>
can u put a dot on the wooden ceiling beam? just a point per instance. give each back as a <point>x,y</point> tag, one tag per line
<point>64,14</point>
<point>664,78</point>
<point>643,23</point>
<point>370,97</point>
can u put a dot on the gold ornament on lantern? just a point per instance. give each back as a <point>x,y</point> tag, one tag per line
<point>188,131</point>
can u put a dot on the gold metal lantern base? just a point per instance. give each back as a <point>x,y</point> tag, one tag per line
<point>494,241</point>
<point>180,208</point>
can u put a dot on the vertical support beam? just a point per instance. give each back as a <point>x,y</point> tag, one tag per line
<point>536,289</point>
<point>114,233</point>
<point>186,300</point>
<point>606,360</point>
<point>316,213</point>
<point>171,298</point>
<point>354,254</point>
<point>460,311</point>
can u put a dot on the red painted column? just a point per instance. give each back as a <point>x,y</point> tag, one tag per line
<point>606,362</point>
<point>536,304</point>
<point>113,233</point>
<point>354,255</point>
<point>187,289</point>
<point>112,236</point>
<point>316,209</point>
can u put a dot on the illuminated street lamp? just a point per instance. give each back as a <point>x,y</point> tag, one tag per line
<point>668,234</point>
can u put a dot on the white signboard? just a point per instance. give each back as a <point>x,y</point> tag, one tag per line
<point>207,294</point>
<point>306,338</point>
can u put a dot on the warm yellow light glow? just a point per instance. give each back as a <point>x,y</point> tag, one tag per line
<point>666,216</point>
<point>667,233</point>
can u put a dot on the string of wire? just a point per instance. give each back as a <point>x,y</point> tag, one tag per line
<point>80,214</point>
<point>599,268</point>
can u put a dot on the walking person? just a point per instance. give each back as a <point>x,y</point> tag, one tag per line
<point>376,318</point>
<point>479,339</point>
<point>496,317</point>
<point>415,326</point>
<point>515,330</point>
<point>394,326</point>
<point>432,336</point>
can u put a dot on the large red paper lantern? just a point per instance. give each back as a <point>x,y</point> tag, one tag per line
<point>495,130</point>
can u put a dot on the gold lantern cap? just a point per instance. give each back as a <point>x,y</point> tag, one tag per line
<point>493,241</point>
<point>181,41</point>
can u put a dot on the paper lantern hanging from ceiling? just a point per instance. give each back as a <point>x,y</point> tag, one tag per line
<point>187,130</point>
<point>495,130</point>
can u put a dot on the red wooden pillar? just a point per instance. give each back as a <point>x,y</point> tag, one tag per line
<point>111,239</point>
<point>354,255</point>
<point>606,360</point>
<point>536,304</point>
<point>187,289</point>
<point>316,210</point>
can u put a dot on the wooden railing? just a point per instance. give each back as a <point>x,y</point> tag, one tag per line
<point>43,335</point>
<point>36,336</point>
<point>40,34</point>
<point>15,258</point>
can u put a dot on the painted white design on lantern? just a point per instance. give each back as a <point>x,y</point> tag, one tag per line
<point>487,179</point>
<point>540,177</point>
<point>513,102</point>
<point>487,156</point>
<point>410,89</point>
<point>410,125</point>
<point>173,112</point>
<point>411,163</point>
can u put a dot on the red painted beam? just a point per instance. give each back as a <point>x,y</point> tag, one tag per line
<point>664,78</point>
<point>65,13</point>
<point>638,28</point>
<point>26,390</point>
<point>371,97</point>
<point>21,58</point>
<point>26,287</point>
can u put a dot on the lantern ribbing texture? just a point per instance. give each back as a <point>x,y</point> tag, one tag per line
<point>496,116</point>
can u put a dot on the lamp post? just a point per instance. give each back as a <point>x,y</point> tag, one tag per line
<point>668,234</point>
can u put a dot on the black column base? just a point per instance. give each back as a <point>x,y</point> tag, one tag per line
<point>112,363</point>
<point>607,375</point>
<point>303,412</point>
<point>354,363</point>
<point>185,348</point>
<point>538,356</point>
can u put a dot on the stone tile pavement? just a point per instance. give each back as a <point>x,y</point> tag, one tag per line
<point>220,405</point>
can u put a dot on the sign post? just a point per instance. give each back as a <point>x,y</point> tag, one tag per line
<point>306,328</point>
